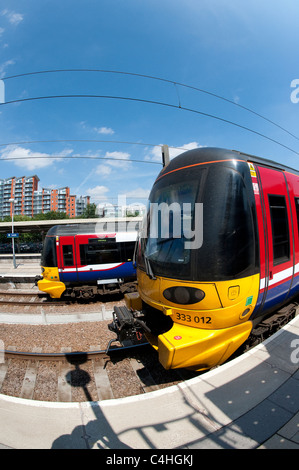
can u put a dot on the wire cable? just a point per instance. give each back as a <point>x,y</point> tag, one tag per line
<point>201,90</point>
<point>160,103</point>
<point>84,157</point>
<point>88,140</point>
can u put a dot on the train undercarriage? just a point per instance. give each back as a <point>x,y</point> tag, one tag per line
<point>91,291</point>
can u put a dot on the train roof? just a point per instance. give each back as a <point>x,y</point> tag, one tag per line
<point>212,154</point>
<point>94,228</point>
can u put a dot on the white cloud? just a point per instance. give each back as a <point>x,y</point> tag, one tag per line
<point>103,170</point>
<point>98,193</point>
<point>104,130</point>
<point>13,18</point>
<point>118,159</point>
<point>4,65</point>
<point>115,160</point>
<point>138,193</point>
<point>31,161</point>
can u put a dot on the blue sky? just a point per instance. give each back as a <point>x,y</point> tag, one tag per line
<point>246,52</point>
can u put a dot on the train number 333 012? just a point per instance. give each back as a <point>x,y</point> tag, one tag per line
<point>196,319</point>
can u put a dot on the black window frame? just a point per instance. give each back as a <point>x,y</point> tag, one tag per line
<point>105,251</point>
<point>280,228</point>
<point>67,261</point>
<point>49,258</point>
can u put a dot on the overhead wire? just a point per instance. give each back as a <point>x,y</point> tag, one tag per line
<point>175,83</point>
<point>160,103</point>
<point>84,157</point>
<point>144,144</point>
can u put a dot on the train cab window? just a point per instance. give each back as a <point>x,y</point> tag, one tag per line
<point>49,252</point>
<point>280,229</point>
<point>68,257</point>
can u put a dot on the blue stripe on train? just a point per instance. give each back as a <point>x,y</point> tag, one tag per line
<point>277,295</point>
<point>125,270</point>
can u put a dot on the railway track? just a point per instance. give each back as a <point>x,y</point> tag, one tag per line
<point>27,299</point>
<point>35,303</point>
<point>84,376</point>
<point>33,300</point>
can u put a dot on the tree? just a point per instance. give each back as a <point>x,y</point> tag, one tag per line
<point>51,215</point>
<point>89,212</point>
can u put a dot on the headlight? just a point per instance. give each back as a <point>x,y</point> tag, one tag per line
<point>184,295</point>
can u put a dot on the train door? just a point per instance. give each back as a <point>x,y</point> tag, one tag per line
<point>278,225</point>
<point>68,265</point>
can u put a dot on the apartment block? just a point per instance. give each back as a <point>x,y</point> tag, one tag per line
<point>29,200</point>
<point>81,203</point>
<point>22,190</point>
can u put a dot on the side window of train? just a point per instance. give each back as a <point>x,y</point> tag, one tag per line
<point>99,251</point>
<point>280,229</point>
<point>68,258</point>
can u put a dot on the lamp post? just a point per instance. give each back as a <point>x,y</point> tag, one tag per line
<point>13,201</point>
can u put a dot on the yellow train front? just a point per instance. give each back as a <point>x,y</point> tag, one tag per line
<point>200,257</point>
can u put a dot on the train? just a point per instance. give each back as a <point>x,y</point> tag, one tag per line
<point>79,262</point>
<point>227,261</point>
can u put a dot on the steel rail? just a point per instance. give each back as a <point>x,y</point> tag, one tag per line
<point>74,356</point>
<point>38,296</point>
<point>24,302</point>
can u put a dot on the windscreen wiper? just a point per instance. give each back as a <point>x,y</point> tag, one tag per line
<point>148,268</point>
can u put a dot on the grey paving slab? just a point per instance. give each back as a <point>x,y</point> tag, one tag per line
<point>279,442</point>
<point>287,396</point>
<point>263,421</point>
<point>291,429</point>
<point>244,385</point>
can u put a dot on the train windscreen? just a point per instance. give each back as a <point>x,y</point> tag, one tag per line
<point>199,226</point>
<point>48,257</point>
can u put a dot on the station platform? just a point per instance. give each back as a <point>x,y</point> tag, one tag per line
<point>250,402</point>
<point>27,267</point>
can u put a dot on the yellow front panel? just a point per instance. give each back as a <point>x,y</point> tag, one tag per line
<point>50,283</point>
<point>150,288</point>
<point>226,303</point>
<point>51,274</point>
<point>53,288</point>
<point>200,349</point>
